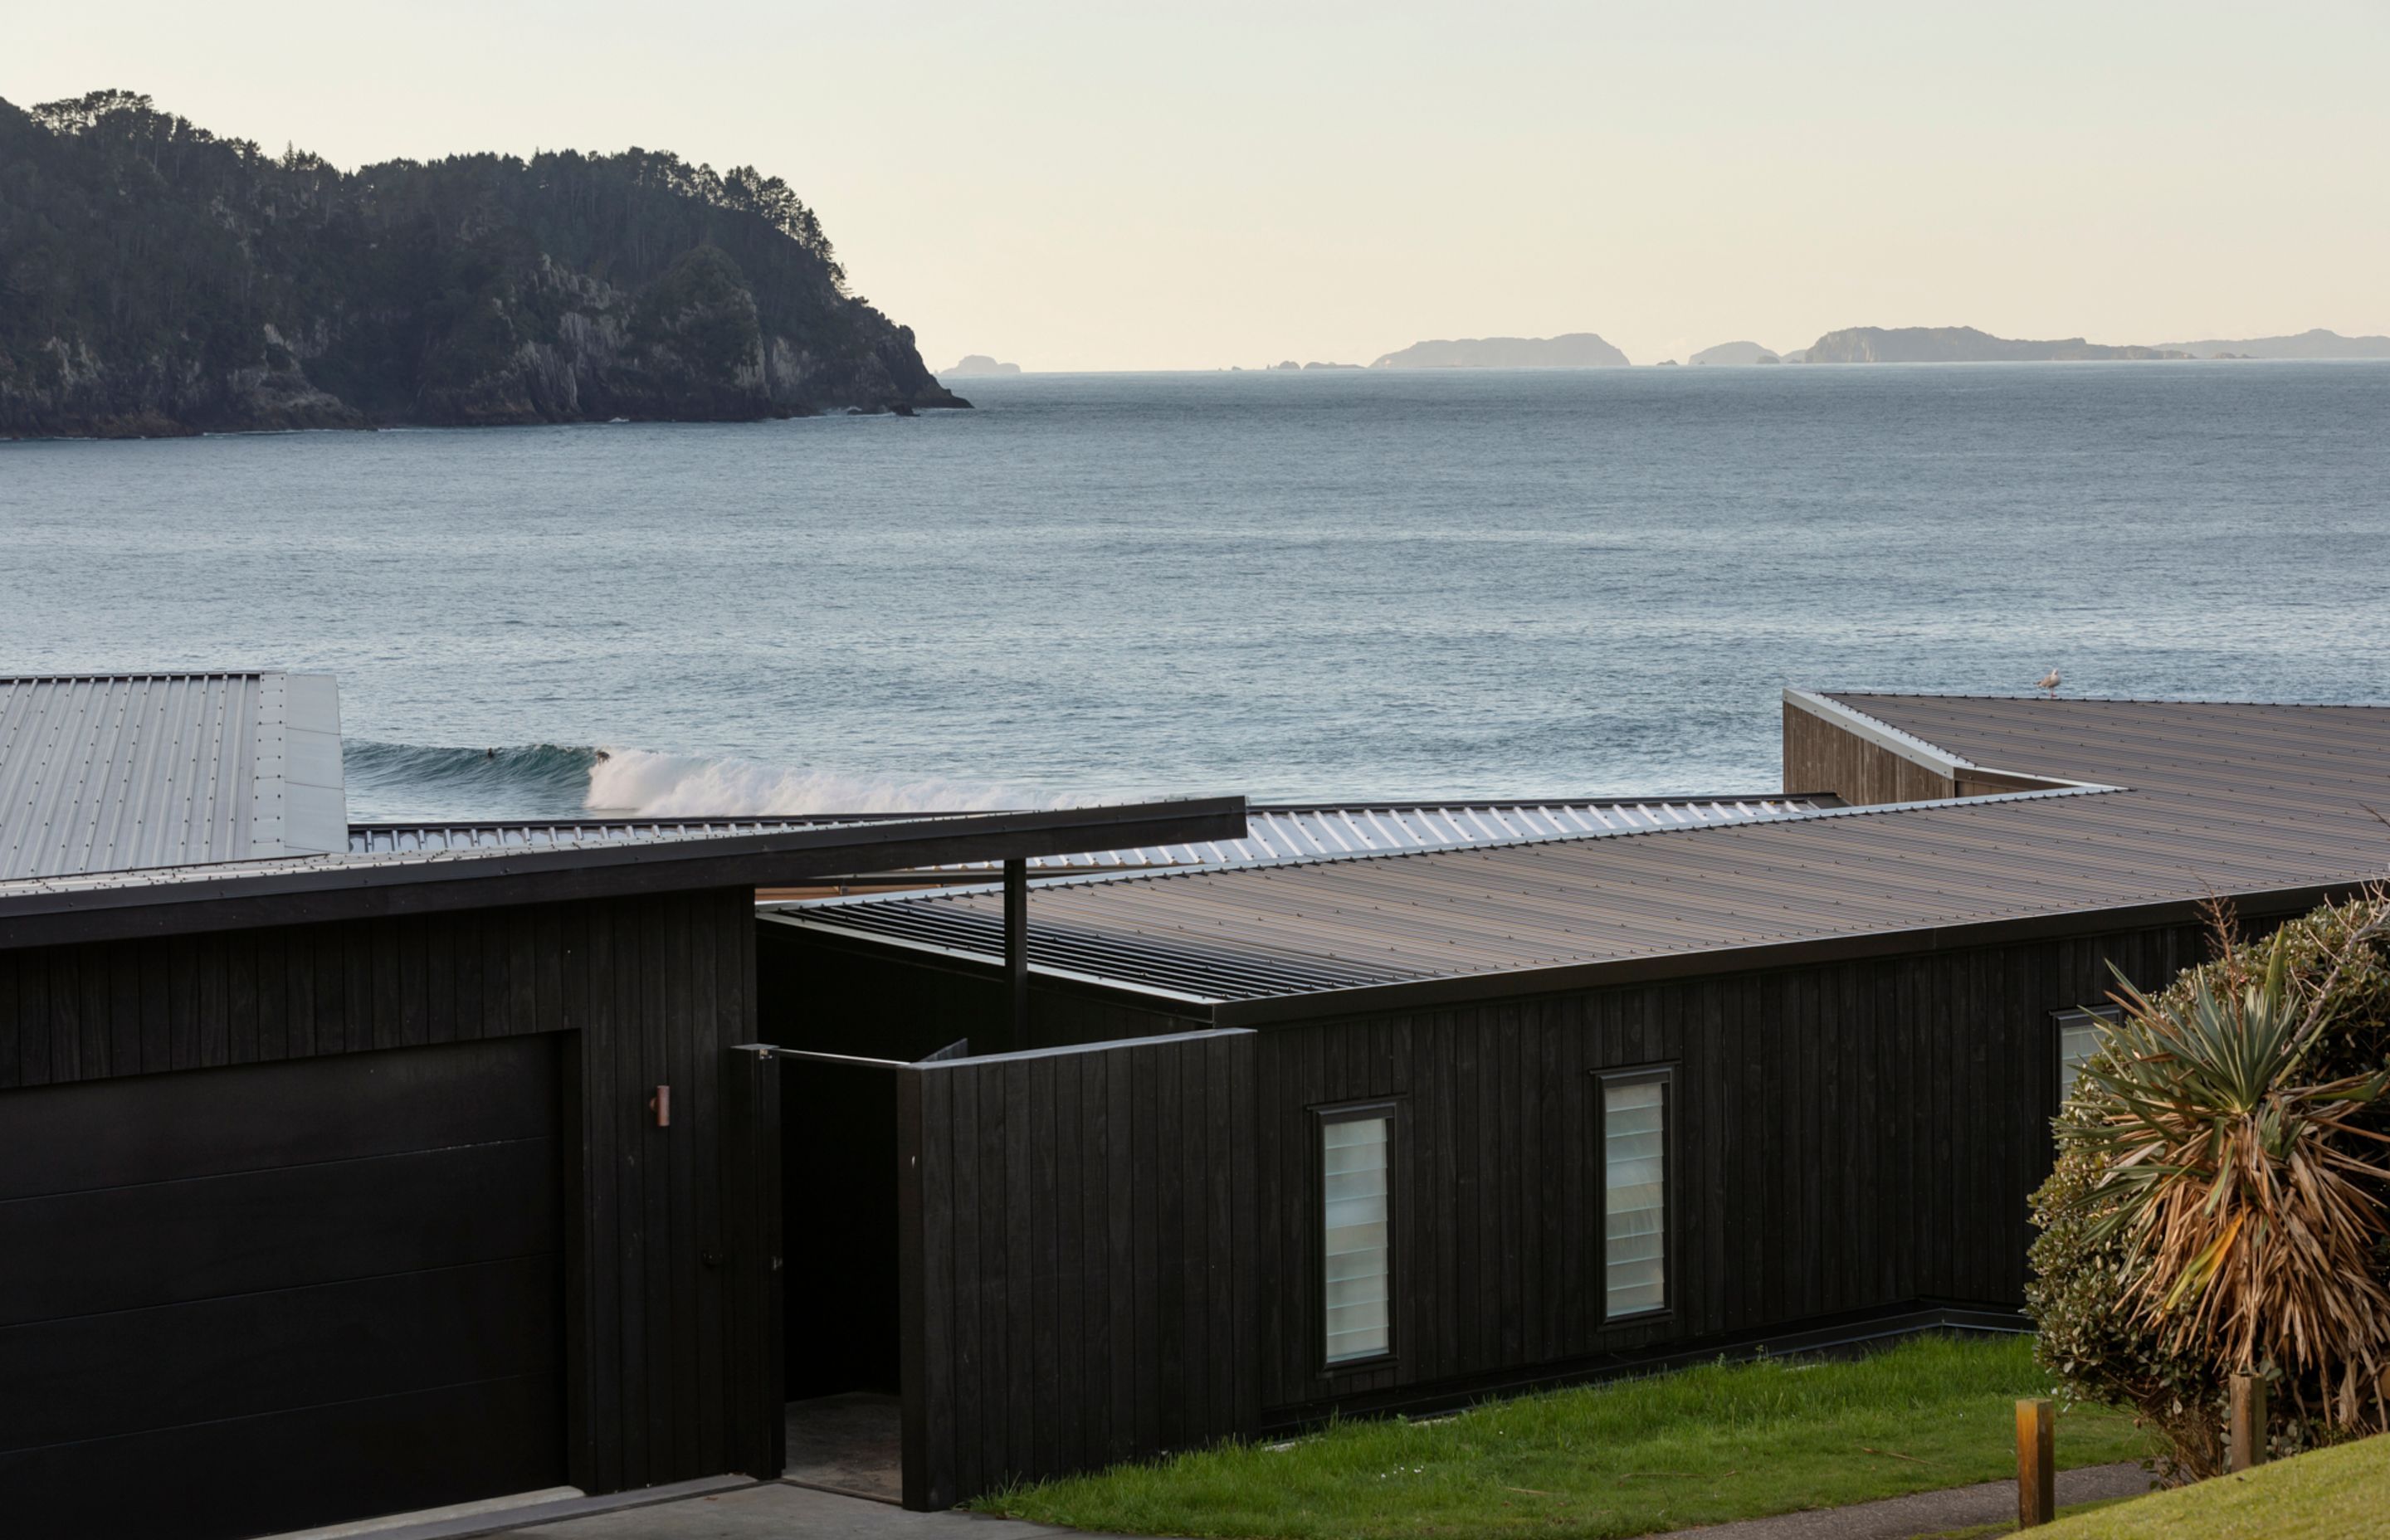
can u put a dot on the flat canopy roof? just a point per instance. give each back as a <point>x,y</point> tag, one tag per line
<point>233,895</point>
<point>2145,809</point>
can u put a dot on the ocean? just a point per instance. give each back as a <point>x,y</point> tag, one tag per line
<point>1320,586</point>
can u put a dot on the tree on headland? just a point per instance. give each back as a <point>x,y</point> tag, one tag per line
<point>152,270</point>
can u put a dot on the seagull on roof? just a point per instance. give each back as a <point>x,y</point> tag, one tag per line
<point>2048,682</point>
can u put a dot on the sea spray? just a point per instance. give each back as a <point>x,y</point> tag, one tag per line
<point>549,780</point>
<point>686,786</point>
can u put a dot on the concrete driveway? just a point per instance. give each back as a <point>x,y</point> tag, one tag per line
<point>782,1512</point>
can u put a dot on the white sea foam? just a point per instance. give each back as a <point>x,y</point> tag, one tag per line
<point>684,786</point>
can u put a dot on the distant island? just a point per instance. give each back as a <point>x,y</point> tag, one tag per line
<point>1737,354</point>
<point>979,364</point>
<point>1960,345</point>
<point>2318,344</point>
<point>1577,349</point>
<point>162,280</point>
<point>1966,345</point>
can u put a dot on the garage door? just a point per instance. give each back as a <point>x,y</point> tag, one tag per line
<point>239,1301</point>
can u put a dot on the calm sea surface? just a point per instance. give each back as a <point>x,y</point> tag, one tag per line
<point>1331,584</point>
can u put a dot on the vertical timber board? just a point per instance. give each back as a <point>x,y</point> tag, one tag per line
<point>580,1463</point>
<point>1065,1171</point>
<point>918,1362</point>
<point>1093,1224</point>
<point>1241,1062</point>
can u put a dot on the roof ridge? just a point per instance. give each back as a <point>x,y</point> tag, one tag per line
<point>2108,699</point>
<point>1797,696</point>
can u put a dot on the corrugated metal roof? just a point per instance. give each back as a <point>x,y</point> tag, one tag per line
<point>117,772</point>
<point>2210,799</point>
<point>1272,833</point>
<point>411,838</point>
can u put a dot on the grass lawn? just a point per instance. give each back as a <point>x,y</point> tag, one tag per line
<point>2329,1495</point>
<point>1701,1446</point>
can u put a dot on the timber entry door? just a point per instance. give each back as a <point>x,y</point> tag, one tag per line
<point>1078,1243</point>
<point>238,1300</point>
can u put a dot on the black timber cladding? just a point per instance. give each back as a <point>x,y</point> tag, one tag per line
<point>637,991</point>
<point>2190,799</point>
<point>632,966</point>
<point>1854,1135</point>
<point>1851,1141</point>
<point>1079,1250</point>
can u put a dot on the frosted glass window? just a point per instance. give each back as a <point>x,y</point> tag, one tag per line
<point>1354,1163</point>
<point>2080,1034</point>
<point>1635,1183</point>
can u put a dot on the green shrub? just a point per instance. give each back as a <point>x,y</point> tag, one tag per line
<point>2218,1199</point>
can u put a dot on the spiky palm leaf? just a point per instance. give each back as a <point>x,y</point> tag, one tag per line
<point>2245,1197</point>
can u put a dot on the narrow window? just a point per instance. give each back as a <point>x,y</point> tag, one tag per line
<point>1356,1161</point>
<point>1635,1189</point>
<point>2080,1033</point>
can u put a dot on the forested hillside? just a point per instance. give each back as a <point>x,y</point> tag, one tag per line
<point>156,279</point>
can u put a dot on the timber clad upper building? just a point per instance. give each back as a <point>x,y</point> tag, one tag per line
<point>347,1175</point>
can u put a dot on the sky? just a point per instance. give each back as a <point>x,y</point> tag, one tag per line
<point>1109,186</point>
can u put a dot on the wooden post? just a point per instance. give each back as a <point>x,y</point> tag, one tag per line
<point>2248,1436</point>
<point>2036,1424</point>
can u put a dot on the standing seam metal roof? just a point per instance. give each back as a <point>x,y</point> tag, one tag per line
<point>118,772</point>
<point>2196,799</point>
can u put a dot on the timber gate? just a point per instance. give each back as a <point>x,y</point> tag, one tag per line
<point>1077,1243</point>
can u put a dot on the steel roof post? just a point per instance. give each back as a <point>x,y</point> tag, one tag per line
<point>1015,950</point>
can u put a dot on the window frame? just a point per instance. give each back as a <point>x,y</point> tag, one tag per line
<point>1394,1111</point>
<point>1665,1077</point>
<point>2114,1016</point>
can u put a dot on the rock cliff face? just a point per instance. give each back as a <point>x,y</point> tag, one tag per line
<point>689,347</point>
<point>1960,345</point>
<point>157,280</point>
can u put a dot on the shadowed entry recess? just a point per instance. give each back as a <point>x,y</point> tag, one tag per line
<point>840,1346</point>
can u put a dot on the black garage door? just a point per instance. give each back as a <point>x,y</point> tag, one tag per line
<point>246,1300</point>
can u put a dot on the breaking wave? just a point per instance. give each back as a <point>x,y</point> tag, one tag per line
<point>551,780</point>
<point>533,780</point>
<point>682,786</point>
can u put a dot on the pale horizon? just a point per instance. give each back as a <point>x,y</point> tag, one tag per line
<point>1070,188</point>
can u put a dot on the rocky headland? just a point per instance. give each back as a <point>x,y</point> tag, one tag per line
<point>156,279</point>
